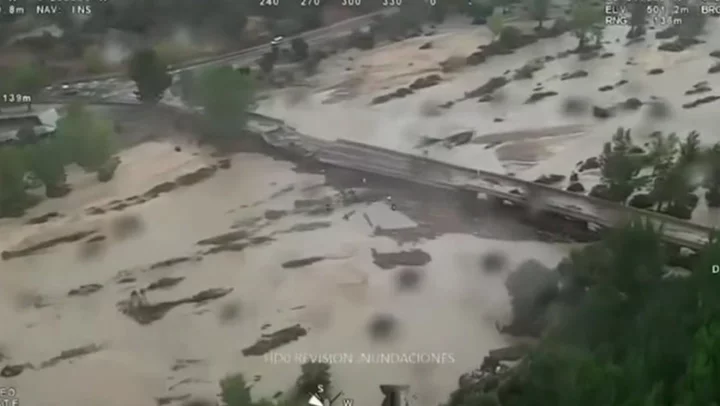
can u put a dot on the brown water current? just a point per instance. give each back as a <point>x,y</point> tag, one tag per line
<point>333,289</point>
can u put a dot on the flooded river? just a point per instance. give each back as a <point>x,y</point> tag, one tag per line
<point>446,307</point>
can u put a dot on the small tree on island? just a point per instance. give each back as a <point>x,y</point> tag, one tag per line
<point>150,75</point>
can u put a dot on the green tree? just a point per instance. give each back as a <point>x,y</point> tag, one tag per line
<point>635,337</point>
<point>234,391</point>
<point>267,62</point>
<point>693,23</point>
<point>226,96</point>
<point>150,75</point>
<point>86,139</point>
<point>311,375</point>
<point>539,10</point>
<point>638,17</point>
<point>495,24</point>
<point>585,17</point>
<point>300,48</point>
<point>28,80</point>
<point>674,164</point>
<point>711,164</point>
<point>46,162</point>
<point>479,10</point>
<point>619,169</point>
<point>13,197</point>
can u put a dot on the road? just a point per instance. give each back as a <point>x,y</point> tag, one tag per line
<point>418,169</point>
<point>116,85</point>
<point>427,171</point>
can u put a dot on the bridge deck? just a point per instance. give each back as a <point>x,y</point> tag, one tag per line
<point>428,171</point>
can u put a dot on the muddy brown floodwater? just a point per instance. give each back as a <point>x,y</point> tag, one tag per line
<point>224,282</point>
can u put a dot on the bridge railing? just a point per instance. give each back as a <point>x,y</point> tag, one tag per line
<point>690,225</point>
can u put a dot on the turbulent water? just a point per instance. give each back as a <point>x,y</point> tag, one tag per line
<point>450,309</point>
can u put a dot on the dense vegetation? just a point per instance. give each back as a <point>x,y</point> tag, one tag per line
<point>662,175</point>
<point>622,328</point>
<point>625,332</point>
<point>81,138</point>
<point>235,391</point>
<point>225,96</point>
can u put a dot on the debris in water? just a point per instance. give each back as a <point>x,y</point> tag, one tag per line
<point>73,237</point>
<point>85,290</point>
<point>269,342</point>
<point>72,353</point>
<point>149,313</point>
<point>172,261</point>
<point>390,260</point>
<point>297,263</point>
<point>164,283</point>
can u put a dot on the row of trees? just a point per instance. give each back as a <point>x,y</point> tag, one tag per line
<point>235,391</point>
<point>627,333</point>
<point>81,138</point>
<point>663,178</point>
